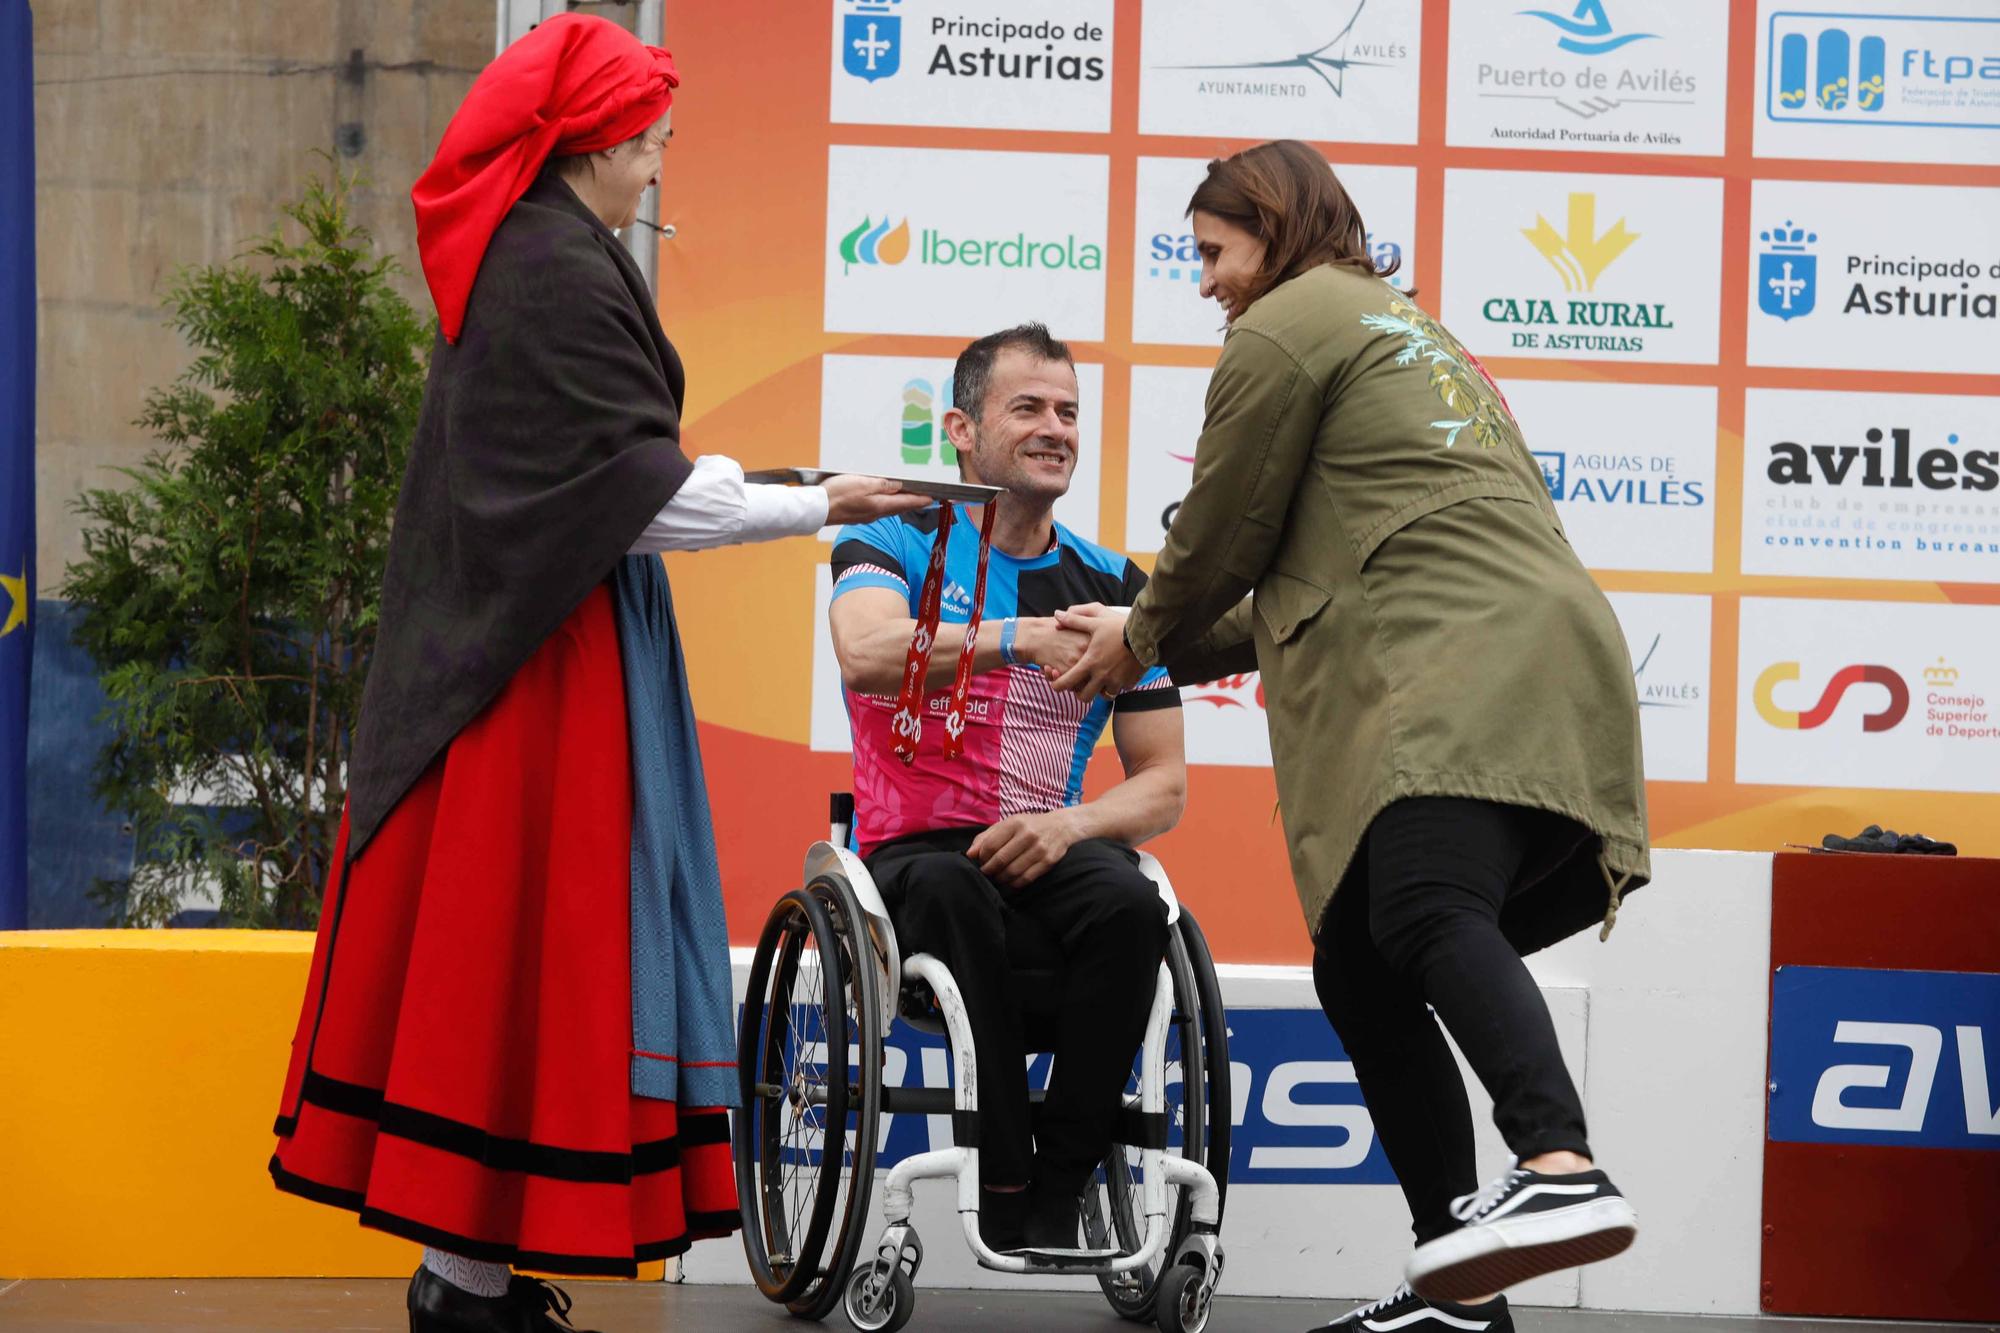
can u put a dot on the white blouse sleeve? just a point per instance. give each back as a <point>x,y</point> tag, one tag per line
<point>716,507</point>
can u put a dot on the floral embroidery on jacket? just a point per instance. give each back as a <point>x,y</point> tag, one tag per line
<point>1455,374</point>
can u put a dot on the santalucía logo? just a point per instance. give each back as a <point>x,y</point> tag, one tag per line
<point>1785,719</point>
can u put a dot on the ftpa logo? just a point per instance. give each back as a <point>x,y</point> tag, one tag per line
<point>1787,273</point>
<point>1831,72</point>
<point>875,243</point>
<point>1893,710</point>
<point>871,39</point>
<point>1866,1056</point>
<point>1587,31</point>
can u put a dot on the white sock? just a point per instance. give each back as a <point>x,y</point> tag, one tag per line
<point>467,1274</point>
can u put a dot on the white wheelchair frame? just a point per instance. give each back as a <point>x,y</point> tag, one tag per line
<point>1187,1285</point>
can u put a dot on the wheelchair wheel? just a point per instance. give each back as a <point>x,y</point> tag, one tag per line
<point>805,1137</point>
<point>855,1180</point>
<point>1199,1113</point>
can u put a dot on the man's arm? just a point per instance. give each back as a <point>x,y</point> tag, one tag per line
<point>872,627</point>
<point>1021,848</point>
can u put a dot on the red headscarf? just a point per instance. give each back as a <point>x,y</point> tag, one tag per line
<point>576,84</point>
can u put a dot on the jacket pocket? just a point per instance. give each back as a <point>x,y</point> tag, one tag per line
<point>1475,488</point>
<point>1285,603</point>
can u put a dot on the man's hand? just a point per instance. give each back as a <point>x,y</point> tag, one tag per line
<point>1039,640</point>
<point>1107,665</point>
<point>1020,849</point>
<point>851,498</point>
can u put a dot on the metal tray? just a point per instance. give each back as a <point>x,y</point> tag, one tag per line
<point>940,490</point>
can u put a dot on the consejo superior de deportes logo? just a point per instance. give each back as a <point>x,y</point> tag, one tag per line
<point>1785,719</point>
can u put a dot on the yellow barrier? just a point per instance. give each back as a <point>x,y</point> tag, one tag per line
<point>140,1071</point>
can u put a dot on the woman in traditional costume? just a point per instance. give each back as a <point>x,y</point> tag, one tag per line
<point>517,1045</point>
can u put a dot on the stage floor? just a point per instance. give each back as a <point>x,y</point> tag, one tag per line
<point>161,1306</point>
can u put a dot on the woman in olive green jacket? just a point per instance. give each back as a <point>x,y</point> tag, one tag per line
<point>1453,720</point>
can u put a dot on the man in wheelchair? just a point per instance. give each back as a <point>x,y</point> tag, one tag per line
<point>992,859</point>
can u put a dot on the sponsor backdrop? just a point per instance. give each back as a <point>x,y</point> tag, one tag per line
<point>1736,265</point>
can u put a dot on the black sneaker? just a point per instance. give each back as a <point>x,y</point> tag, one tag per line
<point>1521,1226</point>
<point>1403,1309</point>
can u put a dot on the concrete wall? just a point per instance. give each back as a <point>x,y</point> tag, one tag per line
<point>166,134</point>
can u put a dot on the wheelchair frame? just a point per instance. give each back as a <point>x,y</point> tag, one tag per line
<point>879,1293</point>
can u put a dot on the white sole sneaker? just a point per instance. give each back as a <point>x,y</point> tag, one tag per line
<point>1486,1257</point>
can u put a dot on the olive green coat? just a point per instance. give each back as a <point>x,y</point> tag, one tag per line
<point>1421,623</point>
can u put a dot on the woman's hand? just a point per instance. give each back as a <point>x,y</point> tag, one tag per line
<point>1107,665</point>
<point>1041,642</point>
<point>851,498</point>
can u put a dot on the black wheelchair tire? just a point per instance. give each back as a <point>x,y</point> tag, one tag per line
<point>864,1102</point>
<point>760,1182</point>
<point>1206,1126</point>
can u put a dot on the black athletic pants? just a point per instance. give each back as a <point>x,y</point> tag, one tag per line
<point>1414,927</point>
<point>1112,929</point>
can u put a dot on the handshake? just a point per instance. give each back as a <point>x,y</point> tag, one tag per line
<point>1081,650</point>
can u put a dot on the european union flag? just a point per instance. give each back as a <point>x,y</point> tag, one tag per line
<point>17,448</point>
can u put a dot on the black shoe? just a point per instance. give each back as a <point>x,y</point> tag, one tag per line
<point>543,1306</point>
<point>1003,1219</point>
<point>1054,1212</point>
<point>1521,1226</point>
<point>1403,1309</point>
<point>436,1306</point>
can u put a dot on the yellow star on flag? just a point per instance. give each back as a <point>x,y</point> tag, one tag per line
<point>17,592</point>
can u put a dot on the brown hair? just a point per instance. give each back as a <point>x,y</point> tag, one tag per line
<point>1286,195</point>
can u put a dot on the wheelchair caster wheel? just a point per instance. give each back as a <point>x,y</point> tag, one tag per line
<point>1183,1300</point>
<point>892,1306</point>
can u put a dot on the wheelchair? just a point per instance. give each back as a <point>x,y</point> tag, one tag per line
<point>827,977</point>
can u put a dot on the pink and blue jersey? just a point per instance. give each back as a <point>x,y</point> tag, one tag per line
<point>1026,746</point>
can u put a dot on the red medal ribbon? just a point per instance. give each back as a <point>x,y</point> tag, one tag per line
<point>908,725</point>
<point>961,685</point>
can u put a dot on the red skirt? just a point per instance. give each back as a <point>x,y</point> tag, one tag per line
<point>462,1070</point>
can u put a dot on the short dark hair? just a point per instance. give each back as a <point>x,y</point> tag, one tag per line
<point>973,374</point>
<point>1287,196</point>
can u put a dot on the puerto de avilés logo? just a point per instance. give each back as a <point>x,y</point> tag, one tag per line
<point>1587,31</point>
<point>1786,272</point>
<point>871,39</point>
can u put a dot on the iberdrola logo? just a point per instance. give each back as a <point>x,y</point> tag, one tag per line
<point>875,243</point>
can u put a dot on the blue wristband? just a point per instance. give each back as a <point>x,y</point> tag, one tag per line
<point>1007,628</point>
